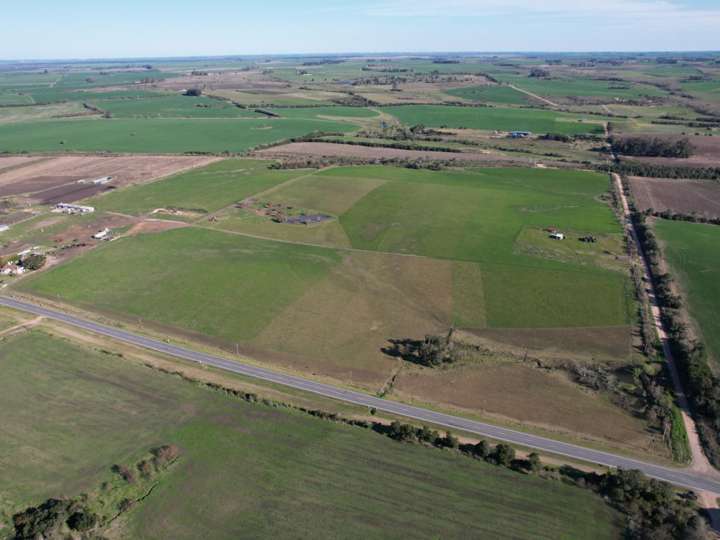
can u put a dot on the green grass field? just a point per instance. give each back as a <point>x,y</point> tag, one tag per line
<point>582,87</point>
<point>445,217</point>
<point>492,94</point>
<point>154,135</point>
<point>692,251</point>
<point>535,120</point>
<point>176,106</point>
<point>206,190</point>
<point>250,470</point>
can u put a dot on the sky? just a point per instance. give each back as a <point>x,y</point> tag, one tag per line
<point>49,29</point>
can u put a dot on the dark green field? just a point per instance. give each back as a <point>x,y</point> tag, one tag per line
<point>693,251</point>
<point>251,470</point>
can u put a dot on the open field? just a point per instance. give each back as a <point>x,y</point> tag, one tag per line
<point>152,135</point>
<point>175,106</point>
<point>485,118</point>
<point>681,196</point>
<point>492,94</point>
<point>299,475</point>
<point>692,251</point>
<point>199,191</point>
<point>62,173</point>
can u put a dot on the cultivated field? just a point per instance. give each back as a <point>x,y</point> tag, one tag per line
<point>298,475</point>
<point>680,196</point>
<point>692,251</point>
<point>52,180</point>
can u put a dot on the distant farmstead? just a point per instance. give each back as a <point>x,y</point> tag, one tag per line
<point>520,134</point>
<point>557,236</point>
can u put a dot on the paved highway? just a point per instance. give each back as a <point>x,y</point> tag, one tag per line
<point>679,477</point>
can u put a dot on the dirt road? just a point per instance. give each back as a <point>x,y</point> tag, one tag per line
<point>699,463</point>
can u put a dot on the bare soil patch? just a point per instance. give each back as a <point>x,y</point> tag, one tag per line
<point>151,226</point>
<point>325,150</point>
<point>54,172</point>
<point>7,162</point>
<point>681,196</point>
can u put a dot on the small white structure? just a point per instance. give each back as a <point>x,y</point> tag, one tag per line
<point>4,228</point>
<point>102,235</point>
<point>97,181</point>
<point>557,236</point>
<point>67,208</point>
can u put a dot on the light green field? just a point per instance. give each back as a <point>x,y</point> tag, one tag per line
<point>692,251</point>
<point>492,94</point>
<point>485,118</point>
<point>14,99</point>
<point>205,190</point>
<point>152,135</point>
<point>211,283</point>
<point>174,107</point>
<point>258,471</point>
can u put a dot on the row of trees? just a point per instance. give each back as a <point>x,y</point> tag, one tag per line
<point>650,170</point>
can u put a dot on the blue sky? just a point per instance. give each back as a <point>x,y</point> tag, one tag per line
<point>134,28</point>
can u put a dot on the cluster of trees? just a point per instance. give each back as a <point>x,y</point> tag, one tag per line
<point>193,92</point>
<point>634,168</point>
<point>54,519</point>
<point>433,351</point>
<point>539,73</point>
<point>701,385</point>
<point>652,147</point>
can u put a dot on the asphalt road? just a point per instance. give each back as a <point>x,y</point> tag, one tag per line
<point>678,477</point>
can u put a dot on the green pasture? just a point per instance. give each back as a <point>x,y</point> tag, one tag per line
<point>204,190</point>
<point>472,216</point>
<point>174,106</point>
<point>215,284</point>
<point>692,251</point>
<point>503,119</point>
<point>492,94</point>
<point>153,135</point>
<point>248,469</point>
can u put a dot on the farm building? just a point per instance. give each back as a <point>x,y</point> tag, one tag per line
<point>520,134</point>
<point>67,208</point>
<point>4,228</point>
<point>12,269</point>
<point>557,236</point>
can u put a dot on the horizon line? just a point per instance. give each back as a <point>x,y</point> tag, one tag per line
<point>240,56</point>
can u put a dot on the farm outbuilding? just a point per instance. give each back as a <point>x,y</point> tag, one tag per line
<point>557,236</point>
